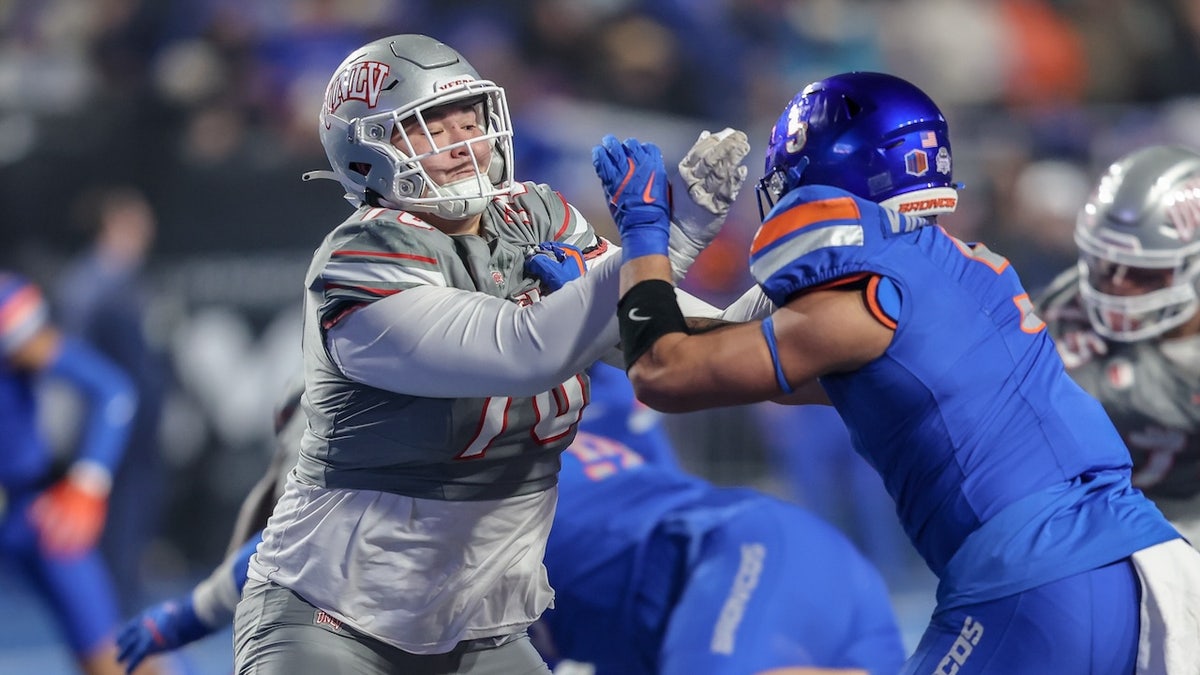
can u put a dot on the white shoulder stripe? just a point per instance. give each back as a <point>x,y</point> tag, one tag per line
<point>359,272</point>
<point>773,260</point>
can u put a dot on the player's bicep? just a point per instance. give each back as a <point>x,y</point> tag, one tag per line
<point>823,332</point>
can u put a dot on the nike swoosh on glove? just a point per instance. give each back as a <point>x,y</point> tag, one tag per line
<point>639,194</point>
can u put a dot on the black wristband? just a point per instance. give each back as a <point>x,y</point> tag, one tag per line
<point>646,313</point>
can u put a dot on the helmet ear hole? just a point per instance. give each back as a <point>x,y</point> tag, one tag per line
<point>360,168</point>
<point>852,108</point>
<point>406,188</point>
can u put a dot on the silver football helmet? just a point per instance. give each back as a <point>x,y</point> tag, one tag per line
<point>1139,249</point>
<point>399,79</point>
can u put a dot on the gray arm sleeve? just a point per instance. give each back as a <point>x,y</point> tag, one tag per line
<point>750,306</point>
<point>450,343</point>
<point>216,598</point>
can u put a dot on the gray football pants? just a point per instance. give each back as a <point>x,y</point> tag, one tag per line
<point>277,633</point>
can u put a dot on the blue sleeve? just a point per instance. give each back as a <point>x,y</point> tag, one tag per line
<point>888,297</point>
<point>111,400</point>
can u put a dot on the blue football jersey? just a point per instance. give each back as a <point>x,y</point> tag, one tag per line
<point>657,571</point>
<point>1004,472</point>
<point>614,412</point>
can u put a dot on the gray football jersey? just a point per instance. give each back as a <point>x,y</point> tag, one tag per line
<point>1152,397</point>
<point>433,448</point>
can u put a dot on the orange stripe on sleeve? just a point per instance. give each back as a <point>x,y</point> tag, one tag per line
<point>872,296</point>
<point>840,281</point>
<point>799,217</point>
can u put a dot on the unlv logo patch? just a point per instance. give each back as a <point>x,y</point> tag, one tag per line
<point>359,81</point>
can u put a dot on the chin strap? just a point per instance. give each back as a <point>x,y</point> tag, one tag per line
<point>354,199</point>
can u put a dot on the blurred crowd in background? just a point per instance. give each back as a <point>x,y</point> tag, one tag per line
<point>151,153</point>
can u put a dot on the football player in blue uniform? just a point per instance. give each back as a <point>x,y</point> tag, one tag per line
<point>49,521</point>
<point>659,571</point>
<point>1009,479</point>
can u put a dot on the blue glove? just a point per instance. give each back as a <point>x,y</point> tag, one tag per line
<point>161,628</point>
<point>555,264</point>
<point>639,194</point>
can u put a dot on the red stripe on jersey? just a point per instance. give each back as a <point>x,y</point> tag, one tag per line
<point>384,254</point>
<point>566,217</point>
<point>381,292</point>
<point>19,307</point>
<point>799,217</point>
<point>337,318</point>
<point>598,250</point>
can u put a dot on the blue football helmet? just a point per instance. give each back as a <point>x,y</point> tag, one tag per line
<point>875,135</point>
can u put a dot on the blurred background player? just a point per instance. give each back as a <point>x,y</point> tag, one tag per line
<point>102,297</point>
<point>683,576</point>
<point>1126,323</point>
<point>210,605</point>
<point>50,521</point>
<point>1009,479</point>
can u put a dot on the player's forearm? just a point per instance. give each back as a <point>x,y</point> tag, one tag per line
<point>645,268</point>
<point>450,343</point>
<point>215,598</point>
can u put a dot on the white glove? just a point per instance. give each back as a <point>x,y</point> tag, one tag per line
<point>713,172</point>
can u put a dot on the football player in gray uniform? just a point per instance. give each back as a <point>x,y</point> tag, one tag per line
<point>441,380</point>
<point>1125,319</point>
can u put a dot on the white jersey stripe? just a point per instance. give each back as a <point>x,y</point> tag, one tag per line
<point>772,260</point>
<point>358,273</point>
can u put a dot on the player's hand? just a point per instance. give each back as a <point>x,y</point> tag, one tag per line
<point>713,171</point>
<point>161,628</point>
<point>639,194</point>
<point>555,263</point>
<point>69,517</point>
